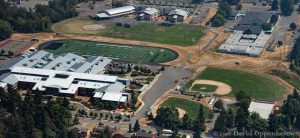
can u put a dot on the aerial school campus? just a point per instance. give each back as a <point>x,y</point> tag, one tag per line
<point>154,68</point>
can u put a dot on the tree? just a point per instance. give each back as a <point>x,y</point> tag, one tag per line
<point>218,20</point>
<point>257,123</point>
<point>76,120</point>
<point>5,30</point>
<point>219,105</point>
<point>167,117</point>
<point>293,26</point>
<point>287,7</point>
<point>220,125</point>
<point>241,119</point>
<point>129,128</point>
<point>274,6</point>
<point>233,2</point>
<point>241,95</point>
<point>136,126</point>
<point>199,125</point>
<point>186,122</point>
<point>2,52</point>
<point>280,43</point>
<point>10,53</point>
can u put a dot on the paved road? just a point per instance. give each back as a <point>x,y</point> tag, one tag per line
<point>165,82</point>
<point>284,25</point>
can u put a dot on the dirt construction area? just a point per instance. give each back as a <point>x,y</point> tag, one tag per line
<point>222,89</point>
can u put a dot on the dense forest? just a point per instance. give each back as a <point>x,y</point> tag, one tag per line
<point>29,116</point>
<point>39,19</point>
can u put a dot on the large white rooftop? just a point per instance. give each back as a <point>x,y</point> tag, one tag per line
<point>263,109</point>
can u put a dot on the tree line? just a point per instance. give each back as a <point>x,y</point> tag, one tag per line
<point>168,118</point>
<point>224,11</point>
<point>295,57</point>
<point>241,120</point>
<point>31,117</point>
<point>39,19</point>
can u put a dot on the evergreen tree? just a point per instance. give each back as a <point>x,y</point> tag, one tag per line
<point>287,7</point>
<point>129,128</point>
<point>136,126</point>
<point>220,124</point>
<point>5,30</point>
<point>199,125</point>
<point>274,6</point>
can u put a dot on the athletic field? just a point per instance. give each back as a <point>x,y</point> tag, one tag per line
<point>190,107</point>
<point>128,53</point>
<point>258,86</point>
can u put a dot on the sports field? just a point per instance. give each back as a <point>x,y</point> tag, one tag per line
<point>179,34</point>
<point>256,85</point>
<point>138,54</point>
<point>204,88</point>
<point>190,107</point>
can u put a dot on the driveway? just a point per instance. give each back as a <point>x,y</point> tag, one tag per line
<point>165,82</point>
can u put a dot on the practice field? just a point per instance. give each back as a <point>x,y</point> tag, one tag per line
<point>190,107</point>
<point>204,88</point>
<point>259,87</point>
<point>179,34</point>
<point>128,53</point>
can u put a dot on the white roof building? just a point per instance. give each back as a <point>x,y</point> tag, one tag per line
<point>114,12</point>
<point>179,12</point>
<point>67,62</point>
<point>150,11</point>
<point>69,82</point>
<point>263,109</point>
<point>239,43</point>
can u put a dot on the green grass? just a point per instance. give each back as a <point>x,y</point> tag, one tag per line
<point>258,86</point>
<point>204,88</point>
<point>190,107</point>
<point>292,79</point>
<point>115,51</point>
<point>181,34</point>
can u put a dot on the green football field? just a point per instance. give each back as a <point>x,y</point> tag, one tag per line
<point>258,86</point>
<point>128,53</point>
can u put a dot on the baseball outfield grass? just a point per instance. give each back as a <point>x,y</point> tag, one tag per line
<point>258,86</point>
<point>190,107</point>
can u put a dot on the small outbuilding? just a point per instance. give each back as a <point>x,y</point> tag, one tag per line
<point>177,15</point>
<point>149,14</point>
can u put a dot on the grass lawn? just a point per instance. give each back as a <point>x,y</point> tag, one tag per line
<point>292,79</point>
<point>75,26</point>
<point>190,107</point>
<point>257,86</point>
<point>180,34</point>
<point>204,87</point>
<point>115,51</point>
